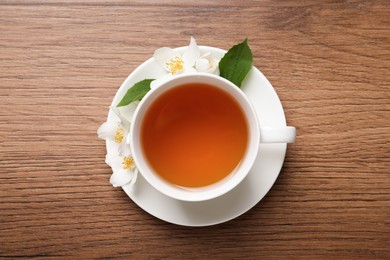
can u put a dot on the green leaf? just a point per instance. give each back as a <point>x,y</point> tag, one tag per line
<point>136,92</point>
<point>236,63</point>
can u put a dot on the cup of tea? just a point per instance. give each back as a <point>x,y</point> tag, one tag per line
<point>196,136</point>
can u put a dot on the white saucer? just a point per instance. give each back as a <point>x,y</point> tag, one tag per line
<point>249,192</point>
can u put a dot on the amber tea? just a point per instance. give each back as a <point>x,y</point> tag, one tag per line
<point>194,135</point>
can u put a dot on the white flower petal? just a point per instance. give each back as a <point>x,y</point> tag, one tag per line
<point>216,71</point>
<point>207,63</point>
<point>188,70</point>
<point>124,148</point>
<point>164,55</point>
<point>191,54</point>
<point>114,161</point>
<point>202,65</point>
<point>215,61</point>
<point>125,123</point>
<point>116,117</point>
<point>121,177</point>
<point>127,112</point>
<point>158,82</point>
<point>107,130</point>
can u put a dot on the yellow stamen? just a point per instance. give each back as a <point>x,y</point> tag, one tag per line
<point>175,65</point>
<point>119,135</point>
<point>128,162</point>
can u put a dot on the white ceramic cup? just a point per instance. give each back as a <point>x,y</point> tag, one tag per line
<point>256,135</point>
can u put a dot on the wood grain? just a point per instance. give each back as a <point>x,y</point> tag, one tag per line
<point>61,63</point>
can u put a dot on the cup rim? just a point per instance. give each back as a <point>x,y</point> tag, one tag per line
<point>214,190</point>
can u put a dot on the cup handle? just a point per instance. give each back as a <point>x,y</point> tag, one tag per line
<point>277,134</point>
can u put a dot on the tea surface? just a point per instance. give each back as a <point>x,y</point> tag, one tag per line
<point>194,135</point>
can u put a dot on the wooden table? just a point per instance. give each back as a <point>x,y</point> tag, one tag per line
<point>62,61</point>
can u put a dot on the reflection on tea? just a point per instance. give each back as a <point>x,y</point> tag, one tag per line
<point>194,135</point>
